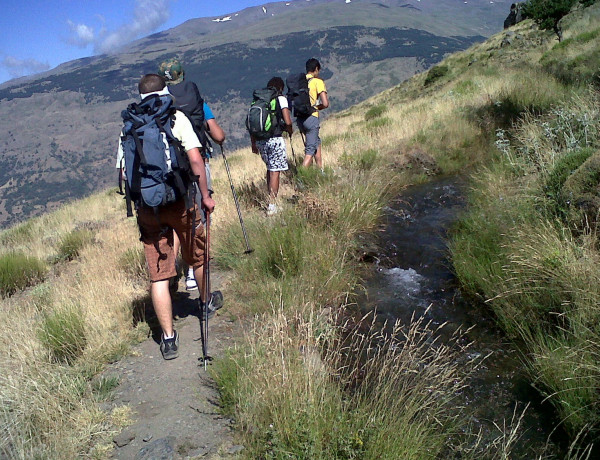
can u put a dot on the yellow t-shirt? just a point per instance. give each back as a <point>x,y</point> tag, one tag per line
<point>316,86</point>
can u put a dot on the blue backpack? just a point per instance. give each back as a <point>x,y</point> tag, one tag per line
<point>157,168</point>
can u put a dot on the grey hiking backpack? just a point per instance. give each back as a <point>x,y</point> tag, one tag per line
<point>264,114</point>
<point>157,168</point>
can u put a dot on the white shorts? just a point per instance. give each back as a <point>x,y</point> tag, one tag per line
<point>273,153</point>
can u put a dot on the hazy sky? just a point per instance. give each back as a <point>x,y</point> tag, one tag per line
<point>38,35</point>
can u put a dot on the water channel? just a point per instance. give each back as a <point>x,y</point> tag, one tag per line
<point>413,276</point>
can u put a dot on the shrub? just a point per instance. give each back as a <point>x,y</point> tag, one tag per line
<point>375,112</point>
<point>312,177</point>
<point>72,243</point>
<point>435,73</point>
<point>363,161</point>
<point>563,168</point>
<point>62,332</point>
<point>18,271</point>
<point>378,123</point>
<point>284,251</point>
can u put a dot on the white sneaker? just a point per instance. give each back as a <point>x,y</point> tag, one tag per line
<point>272,209</point>
<point>190,281</point>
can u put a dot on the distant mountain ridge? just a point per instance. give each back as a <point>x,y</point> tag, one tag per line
<point>62,143</point>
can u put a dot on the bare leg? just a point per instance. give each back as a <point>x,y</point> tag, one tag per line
<point>273,183</point>
<point>161,299</point>
<point>307,161</point>
<point>318,158</point>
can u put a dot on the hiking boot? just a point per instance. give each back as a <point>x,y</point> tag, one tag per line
<point>170,347</point>
<point>215,304</point>
<point>190,281</point>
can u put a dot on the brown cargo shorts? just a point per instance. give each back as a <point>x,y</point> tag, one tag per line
<point>156,229</point>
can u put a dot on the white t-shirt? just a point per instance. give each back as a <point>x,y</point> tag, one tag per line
<point>182,130</point>
<point>283,102</point>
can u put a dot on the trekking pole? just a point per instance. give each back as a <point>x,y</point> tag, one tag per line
<point>237,204</point>
<point>292,146</point>
<point>207,295</point>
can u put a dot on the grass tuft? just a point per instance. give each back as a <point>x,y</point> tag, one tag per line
<point>71,244</point>
<point>62,332</point>
<point>19,271</point>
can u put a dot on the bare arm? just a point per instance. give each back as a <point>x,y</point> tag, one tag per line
<point>287,118</point>
<point>197,164</point>
<point>215,131</point>
<point>324,101</point>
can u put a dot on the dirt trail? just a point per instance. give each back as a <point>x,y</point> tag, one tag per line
<point>174,403</point>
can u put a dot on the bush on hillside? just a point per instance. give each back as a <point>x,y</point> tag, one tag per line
<point>435,73</point>
<point>580,191</point>
<point>375,112</point>
<point>18,271</point>
<point>548,13</point>
<point>564,167</point>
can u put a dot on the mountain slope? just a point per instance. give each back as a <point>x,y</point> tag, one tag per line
<point>61,142</point>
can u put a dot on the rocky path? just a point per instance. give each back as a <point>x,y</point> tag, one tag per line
<point>174,404</point>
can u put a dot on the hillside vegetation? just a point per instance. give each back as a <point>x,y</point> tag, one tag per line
<point>307,380</point>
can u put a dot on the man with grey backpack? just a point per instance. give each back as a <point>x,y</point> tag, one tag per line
<point>164,168</point>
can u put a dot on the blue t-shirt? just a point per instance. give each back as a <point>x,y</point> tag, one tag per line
<point>208,115</point>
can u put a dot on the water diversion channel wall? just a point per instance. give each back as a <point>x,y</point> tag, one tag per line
<point>413,277</point>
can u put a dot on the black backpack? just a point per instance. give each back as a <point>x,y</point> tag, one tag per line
<point>189,101</point>
<point>264,114</point>
<point>298,97</point>
<point>157,169</point>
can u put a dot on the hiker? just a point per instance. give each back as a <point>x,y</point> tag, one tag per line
<point>272,149</point>
<point>159,222</point>
<point>310,126</point>
<point>187,99</point>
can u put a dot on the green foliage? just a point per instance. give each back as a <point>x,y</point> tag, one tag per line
<point>18,271</point>
<point>362,161</point>
<point>311,177</point>
<point>378,123</point>
<point>548,13</point>
<point>72,243</point>
<point>284,252</point>
<point>375,112</point>
<point>62,332</point>
<point>435,73</point>
<point>563,168</point>
<point>103,386</point>
<point>534,92</point>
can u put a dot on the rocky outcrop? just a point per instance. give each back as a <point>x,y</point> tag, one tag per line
<point>515,16</point>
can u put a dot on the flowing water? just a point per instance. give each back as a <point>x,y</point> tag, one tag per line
<point>413,276</point>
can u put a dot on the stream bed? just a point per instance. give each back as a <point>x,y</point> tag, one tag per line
<point>413,277</point>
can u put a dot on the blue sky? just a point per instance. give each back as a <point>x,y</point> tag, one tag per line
<point>38,35</point>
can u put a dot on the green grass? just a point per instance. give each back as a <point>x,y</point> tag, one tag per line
<point>71,244</point>
<point>375,112</point>
<point>19,271</point>
<point>62,332</point>
<point>436,73</point>
<point>361,161</point>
